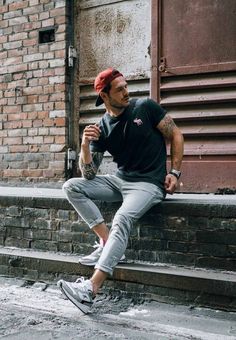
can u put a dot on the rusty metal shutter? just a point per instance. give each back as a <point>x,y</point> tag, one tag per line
<point>194,77</point>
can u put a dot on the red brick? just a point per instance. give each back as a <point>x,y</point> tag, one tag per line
<point>3,39</point>
<point>33,2</point>
<point>48,89</point>
<point>30,42</point>
<point>60,106</point>
<point>32,115</point>
<point>48,139</point>
<point>44,148</point>
<point>3,9</point>
<point>59,71</point>
<point>27,123</point>
<point>33,90</point>
<point>48,106</point>
<point>37,123</point>
<point>48,122</point>
<point>18,36</point>
<point>32,140</point>
<point>61,28</point>
<point>57,12</point>
<point>17,116</point>
<point>43,114</point>
<point>12,173</point>
<point>32,173</point>
<point>18,148</point>
<point>3,23</point>
<point>48,22</point>
<point>32,99</point>
<point>48,173</point>
<point>60,139</point>
<point>49,73</point>
<point>3,55</point>
<point>18,5</point>
<point>12,140</point>
<point>60,121</point>
<point>17,68</point>
<point>13,125</point>
<point>10,109</point>
<point>43,99</point>
<point>60,87</point>
<point>15,53</point>
<point>43,81</point>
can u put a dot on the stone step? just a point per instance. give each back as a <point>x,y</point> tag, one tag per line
<point>161,282</point>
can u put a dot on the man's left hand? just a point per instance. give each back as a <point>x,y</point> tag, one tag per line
<point>171,183</point>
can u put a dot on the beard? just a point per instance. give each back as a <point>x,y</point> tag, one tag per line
<point>118,105</point>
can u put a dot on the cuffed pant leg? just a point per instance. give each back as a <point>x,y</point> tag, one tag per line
<point>81,192</point>
<point>138,198</point>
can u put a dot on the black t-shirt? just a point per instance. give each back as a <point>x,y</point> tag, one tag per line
<point>135,143</point>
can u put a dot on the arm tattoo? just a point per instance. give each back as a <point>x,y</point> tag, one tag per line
<point>167,126</point>
<point>89,170</point>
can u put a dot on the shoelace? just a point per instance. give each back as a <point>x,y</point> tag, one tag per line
<point>83,284</point>
<point>97,245</point>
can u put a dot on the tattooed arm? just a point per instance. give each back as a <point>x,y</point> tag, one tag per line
<point>172,133</point>
<point>89,162</point>
<point>89,170</point>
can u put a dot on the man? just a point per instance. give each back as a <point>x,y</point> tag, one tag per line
<point>134,133</point>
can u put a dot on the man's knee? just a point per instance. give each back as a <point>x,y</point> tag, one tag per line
<point>72,184</point>
<point>122,223</point>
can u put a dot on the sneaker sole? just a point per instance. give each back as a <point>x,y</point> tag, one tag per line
<point>82,306</point>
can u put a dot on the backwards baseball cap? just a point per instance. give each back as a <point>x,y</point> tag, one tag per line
<point>103,79</point>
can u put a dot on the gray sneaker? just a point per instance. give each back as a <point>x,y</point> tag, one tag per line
<point>92,259</point>
<point>80,293</point>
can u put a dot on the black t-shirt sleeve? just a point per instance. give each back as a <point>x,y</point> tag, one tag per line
<point>155,112</point>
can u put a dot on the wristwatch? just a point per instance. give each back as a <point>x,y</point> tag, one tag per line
<point>176,173</point>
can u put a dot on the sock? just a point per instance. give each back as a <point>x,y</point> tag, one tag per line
<point>102,242</point>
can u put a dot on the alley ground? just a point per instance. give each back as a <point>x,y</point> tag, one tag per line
<point>36,311</point>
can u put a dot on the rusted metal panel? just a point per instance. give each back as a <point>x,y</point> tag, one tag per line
<point>197,85</point>
<point>207,30</point>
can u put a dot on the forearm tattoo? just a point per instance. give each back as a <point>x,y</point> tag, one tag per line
<point>89,170</point>
<point>167,126</point>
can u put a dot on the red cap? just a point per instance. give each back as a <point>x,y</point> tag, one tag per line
<point>103,79</point>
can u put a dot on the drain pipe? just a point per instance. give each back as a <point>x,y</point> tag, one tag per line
<point>71,63</point>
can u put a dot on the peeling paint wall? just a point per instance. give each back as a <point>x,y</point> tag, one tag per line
<point>111,33</point>
<point>114,34</point>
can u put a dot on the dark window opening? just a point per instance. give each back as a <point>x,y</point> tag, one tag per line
<point>46,36</point>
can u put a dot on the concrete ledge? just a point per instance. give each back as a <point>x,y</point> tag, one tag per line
<point>217,205</point>
<point>199,284</point>
<point>185,229</point>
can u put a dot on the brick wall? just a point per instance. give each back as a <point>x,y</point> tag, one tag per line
<point>33,84</point>
<point>201,235</point>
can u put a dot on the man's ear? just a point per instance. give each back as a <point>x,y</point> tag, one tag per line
<point>103,95</point>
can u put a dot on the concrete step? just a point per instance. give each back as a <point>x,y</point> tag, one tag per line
<point>161,282</point>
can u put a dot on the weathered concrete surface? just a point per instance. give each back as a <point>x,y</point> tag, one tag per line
<point>39,312</point>
<point>161,282</point>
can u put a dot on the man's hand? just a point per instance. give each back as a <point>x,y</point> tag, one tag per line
<point>171,183</point>
<point>91,132</point>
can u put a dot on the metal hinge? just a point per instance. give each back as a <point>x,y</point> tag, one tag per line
<point>162,65</point>
<point>72,54</point>
<point>71,157</point>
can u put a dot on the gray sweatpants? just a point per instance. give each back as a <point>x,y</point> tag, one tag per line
<point>136,198</point>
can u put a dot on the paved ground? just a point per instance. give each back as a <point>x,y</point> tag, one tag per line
<point>39,312</point>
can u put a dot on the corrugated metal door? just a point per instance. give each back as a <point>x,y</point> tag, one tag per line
<point>194,77</point>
